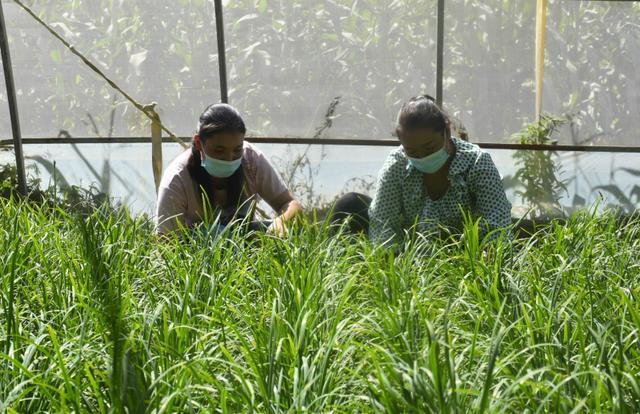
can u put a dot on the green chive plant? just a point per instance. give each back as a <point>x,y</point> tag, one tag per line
<point>97,315</point>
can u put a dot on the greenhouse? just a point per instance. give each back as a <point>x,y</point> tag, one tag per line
<point>527,304</point>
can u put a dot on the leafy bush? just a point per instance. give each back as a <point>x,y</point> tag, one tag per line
<point>537,173</point>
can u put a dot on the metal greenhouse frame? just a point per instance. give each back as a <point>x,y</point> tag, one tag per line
<point>18,140</point>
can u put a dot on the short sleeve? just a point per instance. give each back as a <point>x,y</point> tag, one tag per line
<point>491,201</point>
<point>268,182</point>
<point>385,211</point>
<point>172,205</point>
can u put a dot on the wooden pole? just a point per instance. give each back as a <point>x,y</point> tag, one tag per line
<point>156,144</point>
<point>541,28</point>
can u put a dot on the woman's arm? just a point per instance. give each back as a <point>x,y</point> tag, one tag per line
<point>287,207</point>
<point>171,207</point>
<point>270,186</point>
<point>385,211</point>
<point>491,201</point>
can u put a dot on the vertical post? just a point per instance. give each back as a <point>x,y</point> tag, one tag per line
<point>13,104</point>
<point>222,62</point>
<point>440,52</point>
<point>541,28</point>
<point>156,144</point>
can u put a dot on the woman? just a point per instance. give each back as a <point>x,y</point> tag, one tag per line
<point>432,177</point>
<point>221,176</point>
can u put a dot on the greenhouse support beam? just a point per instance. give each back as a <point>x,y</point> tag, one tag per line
<point>222,60</point>
<point>338,141</point>
<point>13,105</point>
<point>440,52</point>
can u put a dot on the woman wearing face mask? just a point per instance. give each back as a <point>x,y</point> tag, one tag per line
<point>221,176</point>
<point>431,176</point>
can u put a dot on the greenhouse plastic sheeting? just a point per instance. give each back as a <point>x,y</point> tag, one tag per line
<point>592,75</point>
<point>5,120</point>
<point>335,69</point>
<point>161,51</point>
<point>289,61</point>
<point>489,66</point>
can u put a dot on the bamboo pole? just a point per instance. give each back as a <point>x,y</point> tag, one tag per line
<point>156,144</point>
<point>541,28</point>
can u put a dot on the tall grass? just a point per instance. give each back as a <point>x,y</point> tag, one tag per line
<point>99,316</point>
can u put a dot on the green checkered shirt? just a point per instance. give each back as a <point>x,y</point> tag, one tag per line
<point>401,200</point>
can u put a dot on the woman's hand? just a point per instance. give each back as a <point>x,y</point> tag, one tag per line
<point>288,208</point>
<point>277,227</point>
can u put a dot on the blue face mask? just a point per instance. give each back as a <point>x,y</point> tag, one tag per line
<point>220,168</point>
<point>432,162</point>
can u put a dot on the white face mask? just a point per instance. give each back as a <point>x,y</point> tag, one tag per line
<point>432,162</point>
<point>220,168</point>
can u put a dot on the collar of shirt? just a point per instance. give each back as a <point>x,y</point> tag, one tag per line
<point>464,158</point>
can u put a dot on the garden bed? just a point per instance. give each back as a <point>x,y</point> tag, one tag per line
<point>97,314</point>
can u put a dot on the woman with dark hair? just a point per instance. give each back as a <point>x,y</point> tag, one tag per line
<point>432,178</point>
<point>221,177</point>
